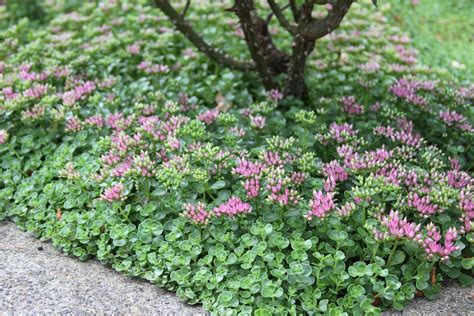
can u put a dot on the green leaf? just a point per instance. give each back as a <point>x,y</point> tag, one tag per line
<point>218,185</point>
<point>225,298</point>
<point>398,257</point>
<point>467,263</point>
<point>262,312</point>
<point>158,192</point>
<point>356,290</point>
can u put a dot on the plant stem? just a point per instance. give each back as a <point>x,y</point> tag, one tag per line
<point>375,252</point>
<point>392,253</point>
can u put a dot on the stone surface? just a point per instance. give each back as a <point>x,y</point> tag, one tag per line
<point>46,282</point>
<point>34,281</point>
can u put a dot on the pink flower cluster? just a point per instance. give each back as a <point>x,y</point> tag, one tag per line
<point>3,136</point>
<point>459,179</point>
<point>466,204</point>
<point>233,207</point>
<point>399,227</point>
<point>114,193</point>
<point>407,90</point>
<point>257,121</point>
<point>252,187</point>
<point>407,56</point>
<point>272,158</point>
<point>275,95</point>
<point>367,160</point>
<point>197,213</point>
<point>208,116</point>
<point>341,132</point>
<point>284,197</point>
<point>79,92</point>
<point>453,118</point>
<point>405,135</point>
<point>433,246</point>
<point>150,68</point>
<point>72,124</point>
<point>249,169</point>
<point>370,67</point>
<point>350,105</point>
<point>422,204</point>
<point>145,165</point>
<point>335,170</point>
<point>36,91</point>
<point>321,205</point>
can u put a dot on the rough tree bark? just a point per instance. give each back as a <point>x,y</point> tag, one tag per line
<point>268,60</point>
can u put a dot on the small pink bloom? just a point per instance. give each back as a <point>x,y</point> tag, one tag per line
<point>114,193</point>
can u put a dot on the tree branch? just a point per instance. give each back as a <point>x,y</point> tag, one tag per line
<point>183,15</point>
<point>281,17</point>
<point>295,10</point>
<point>319,28</point>
<point>198,41</point>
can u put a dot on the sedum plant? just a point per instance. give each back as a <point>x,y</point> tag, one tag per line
<point>121,143</point>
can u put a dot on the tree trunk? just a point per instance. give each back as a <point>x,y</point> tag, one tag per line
<point>269,60</point>
<point>246,12</point>
<point>295,84</point>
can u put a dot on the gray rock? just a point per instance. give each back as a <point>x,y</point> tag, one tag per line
<point>47,282</point>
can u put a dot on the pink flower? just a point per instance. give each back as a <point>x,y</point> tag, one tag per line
<point>407,90</point>
<point>233,207</point>
<point>37,91</point>
<point>252,187</point>
<point>122,168</point>
<point>321,205</point>
<point>150,68</point>
<point>423,205</point>
<point>95,120</point>
<point>208,116</point>
<point>399,227</point>
<point>329,184</point>
<point>346,209</point>
<point>351,106</point>
<point>341,132</point>
<point>258,121</point>
<point>145,165</point>
<point>3,136</point>
<point>370,67</point>
<point>433,246</point>
<point>73,124</point>
<point>79,92</point>
<point>298,177</point>
<point>459,179</point>
<point>197,213</point>
<point>272,158</point>
<point>335,171</point>
<point>133,49</point>
<point>8,93</point>
<point>248,169</point>
<point>275,95</point>
<point>113,193</point>
<point>110,159</point>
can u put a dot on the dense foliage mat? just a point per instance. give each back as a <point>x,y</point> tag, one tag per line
<point>120,142</point>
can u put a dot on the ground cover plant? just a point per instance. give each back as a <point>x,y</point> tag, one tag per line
<point>438,29</point>
<point>119,141</point>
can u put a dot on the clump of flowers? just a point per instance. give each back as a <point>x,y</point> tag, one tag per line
<point>3,136</point>
<point>114,193</point>
<point>197,213</point>
<point>321,205</point>
<point>233,207</point>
